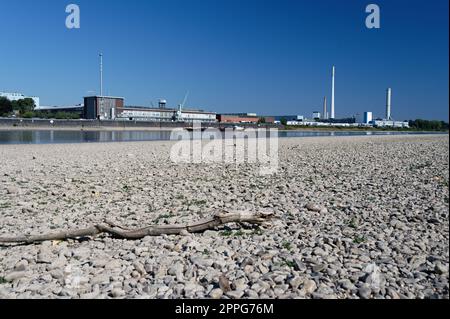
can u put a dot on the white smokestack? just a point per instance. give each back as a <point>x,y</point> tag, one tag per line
<point>388,103</point>
<point>325,115</point>
<point>332,92</point>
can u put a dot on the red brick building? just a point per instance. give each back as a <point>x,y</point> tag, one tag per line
<point>243,118</point>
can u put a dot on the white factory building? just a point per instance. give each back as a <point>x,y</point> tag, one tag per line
<point>164,115</point>
<point>390,123</point>
<point>19,96</point>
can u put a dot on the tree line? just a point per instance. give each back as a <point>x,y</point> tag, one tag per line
<point>24,108</point>
<point>425,125</point>
<point>21,106</point>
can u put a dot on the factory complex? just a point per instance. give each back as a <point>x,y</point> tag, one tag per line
<point>111,108</point>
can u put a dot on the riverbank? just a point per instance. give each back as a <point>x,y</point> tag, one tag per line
<point>357,217</point>
<point>7,124</point>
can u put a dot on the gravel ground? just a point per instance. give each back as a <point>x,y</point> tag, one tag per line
<point>358,217</point>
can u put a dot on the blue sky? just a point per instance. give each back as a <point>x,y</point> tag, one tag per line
<point>263,56</point>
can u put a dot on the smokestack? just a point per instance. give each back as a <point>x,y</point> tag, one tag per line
<point>325,115</point>
<point>332,92</point>
<point>388,104</point>
<point>101,74</point>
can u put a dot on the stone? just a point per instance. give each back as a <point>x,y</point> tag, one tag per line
<point>45,256</point>
<point>224,284</point>
<point>440,268</point>
<point>347,284</point>
<point>318,268</point>
<point>295,282</point>
<point>16,275</point>
<point>309,286</point>
<point>21,265</point>
<point>113,264</point>
<point>58,274</point>
<point>216,293</point>
<point>139,268</point>
<point>117,293</point>
<point>364,292</point>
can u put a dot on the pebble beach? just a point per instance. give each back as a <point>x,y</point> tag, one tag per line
<point>356,217</point>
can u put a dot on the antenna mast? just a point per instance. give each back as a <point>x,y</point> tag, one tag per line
<point>101,74</point>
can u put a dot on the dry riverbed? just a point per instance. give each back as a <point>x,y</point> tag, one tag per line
<point>358,217</point>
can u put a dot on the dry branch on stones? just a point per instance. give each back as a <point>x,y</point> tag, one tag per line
<point>219,219</point>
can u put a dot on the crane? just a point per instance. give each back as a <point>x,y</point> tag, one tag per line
<point>181,107</point>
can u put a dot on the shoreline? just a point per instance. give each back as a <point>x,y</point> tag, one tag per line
<point>165,129</point>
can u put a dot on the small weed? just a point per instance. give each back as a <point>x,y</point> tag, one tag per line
<point>198,202</point>
<point>359,239</point>
<point>2,281</point>
<point>226,233</point>
<point>206,252</point>
<point>257,231</point>
<point>286,245</point>
<point>5,205</point>
<point>290,264</point>
<point>353,223</point>
<point>239,233</point>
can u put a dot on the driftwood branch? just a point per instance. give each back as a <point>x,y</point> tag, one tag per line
<point>219,219</point>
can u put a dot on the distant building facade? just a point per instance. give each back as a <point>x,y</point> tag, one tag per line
<point>20,96</point>
<point>242,118</point>
<point>368,117</point>
<point>102,107</point>
<point>136,113</point>
<point>394,124</point>
<point>113,108</point>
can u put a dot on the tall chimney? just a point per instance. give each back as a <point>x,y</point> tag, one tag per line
<point>332,93</point>
<point>388,104</point>
<point>325,115</point>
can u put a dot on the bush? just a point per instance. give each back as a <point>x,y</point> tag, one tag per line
<point>28,115</point>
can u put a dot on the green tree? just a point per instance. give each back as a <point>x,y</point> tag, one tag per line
<point>5,106</point>
<point>283,121</point>
<point>23,105</point>
<point>262,120</point>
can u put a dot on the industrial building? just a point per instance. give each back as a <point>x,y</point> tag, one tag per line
<point>388,121</point>
<point>20,96</point>
<point>251,118</point>
<point>102,107</point>
<point>113,108</point>
<point>368,117</point>
<point>137,113</point>
<point>393,124</point>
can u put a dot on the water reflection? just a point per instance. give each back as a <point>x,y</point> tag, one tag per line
<point>54,137</point>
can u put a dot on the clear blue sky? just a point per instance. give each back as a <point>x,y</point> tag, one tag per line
<point>270,57</point>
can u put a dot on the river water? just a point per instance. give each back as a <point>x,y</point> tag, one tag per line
<point>58,136</point>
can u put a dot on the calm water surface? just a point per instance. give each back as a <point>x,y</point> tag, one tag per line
<point>55,137</point>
